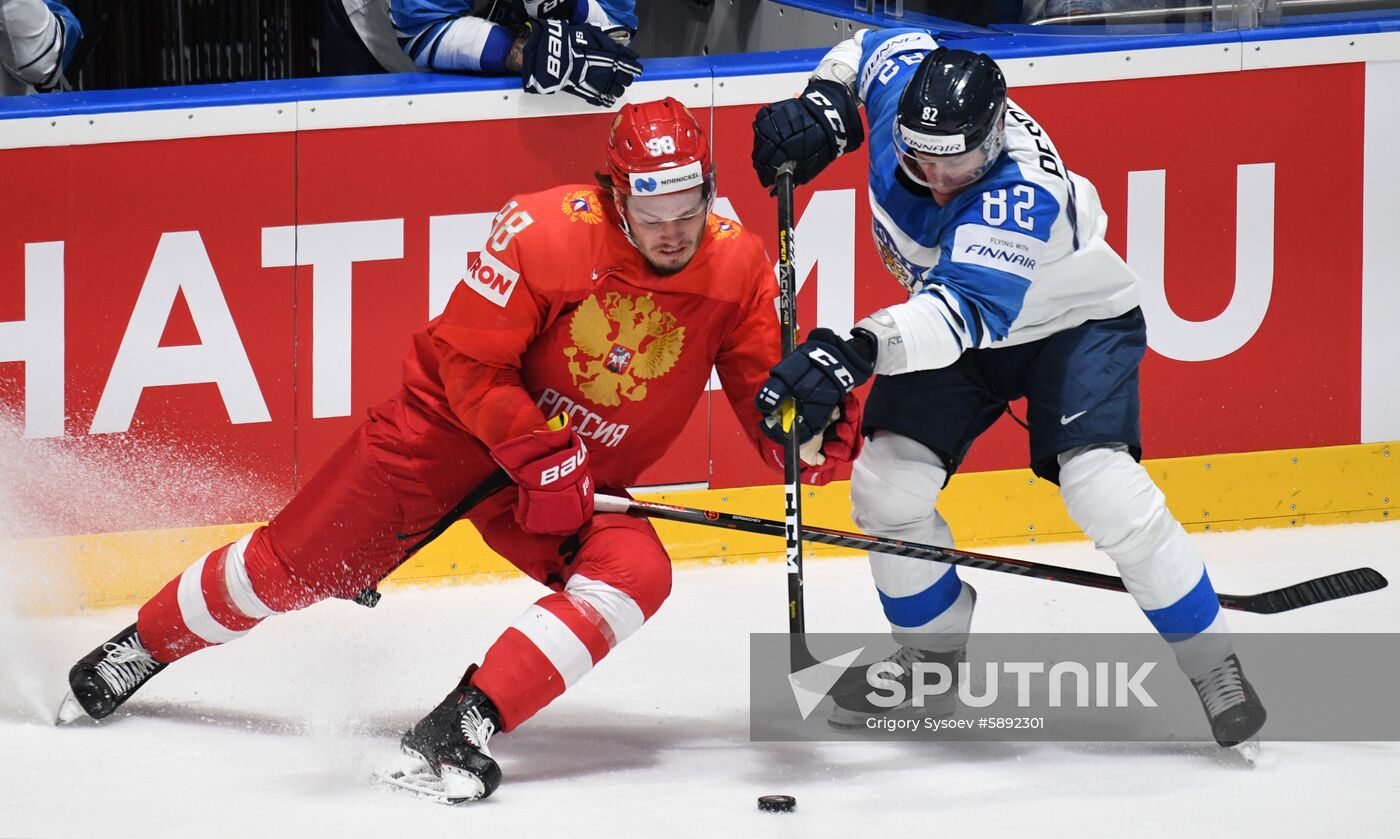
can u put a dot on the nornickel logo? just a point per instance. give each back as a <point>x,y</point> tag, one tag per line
<point>644,184</point>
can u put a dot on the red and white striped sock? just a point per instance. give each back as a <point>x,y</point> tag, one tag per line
<point>553,645</point>
<point>212,602</point>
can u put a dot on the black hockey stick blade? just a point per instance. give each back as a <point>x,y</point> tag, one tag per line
<point>1309,592</point>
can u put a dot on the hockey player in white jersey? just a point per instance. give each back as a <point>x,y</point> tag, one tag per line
<point>1013,293</point>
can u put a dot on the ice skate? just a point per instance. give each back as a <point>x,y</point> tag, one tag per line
<point>1234,709</point>
<point>854,710</point>
<point>445,755</point>
<point>106,677</point>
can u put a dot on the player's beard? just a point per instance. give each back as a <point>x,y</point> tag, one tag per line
<point>671,267</point>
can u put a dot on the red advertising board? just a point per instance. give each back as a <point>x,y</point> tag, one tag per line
<point>234,304</point>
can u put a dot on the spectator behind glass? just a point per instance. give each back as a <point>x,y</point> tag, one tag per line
<point>37,40</point>
<point>588,40</point>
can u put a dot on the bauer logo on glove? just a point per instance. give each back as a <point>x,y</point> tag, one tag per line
<point>577,58</point>
<point>550,469</point>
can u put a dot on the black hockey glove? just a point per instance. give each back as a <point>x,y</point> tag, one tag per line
<point>579,59</point>
<point>817,375</point>
<point>814,129</point>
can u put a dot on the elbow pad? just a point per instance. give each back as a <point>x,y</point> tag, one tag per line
<point>910,336</point>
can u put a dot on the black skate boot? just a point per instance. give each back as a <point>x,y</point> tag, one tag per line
<point>106,677</point>
<point>1234,709</point>
<point>451,744</point>
<point>854,709</point>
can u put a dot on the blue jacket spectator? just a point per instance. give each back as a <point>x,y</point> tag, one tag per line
<point>577,46</point>
<point>37,40</point>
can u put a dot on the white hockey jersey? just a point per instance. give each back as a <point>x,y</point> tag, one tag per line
<point>1015,257</point>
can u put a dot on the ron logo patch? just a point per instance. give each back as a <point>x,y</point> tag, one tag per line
<point>492,279</point>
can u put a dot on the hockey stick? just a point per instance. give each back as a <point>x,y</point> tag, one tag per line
<point>490,484</point>
<point>1307,593</point>
<point>801,657</point>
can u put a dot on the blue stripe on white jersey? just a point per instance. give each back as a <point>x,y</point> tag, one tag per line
<point>983,254</point>
<point>421,25</point>
<point>621,12</point>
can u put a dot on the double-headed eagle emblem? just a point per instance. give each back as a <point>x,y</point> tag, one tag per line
<point>623,341</point>
<point>582,205</point>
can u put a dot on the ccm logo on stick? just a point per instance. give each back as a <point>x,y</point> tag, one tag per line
<point>493,279</point>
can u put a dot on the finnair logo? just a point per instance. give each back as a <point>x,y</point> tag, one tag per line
<point>933,143</point>
<point>1002,250</point>
<point>1002,255</point>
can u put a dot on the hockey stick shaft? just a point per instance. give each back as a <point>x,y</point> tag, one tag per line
<point>497,480</point>
<point>1307,593</point>
<point>792,462</point>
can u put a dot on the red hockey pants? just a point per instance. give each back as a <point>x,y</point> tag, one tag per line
<point>400,473</point>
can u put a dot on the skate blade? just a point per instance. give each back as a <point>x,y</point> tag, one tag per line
<point>411,775</point>
<point>70,710</point>
<point>1244,755</point>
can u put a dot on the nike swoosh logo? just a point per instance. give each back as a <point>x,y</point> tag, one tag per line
<point>1064,420</point>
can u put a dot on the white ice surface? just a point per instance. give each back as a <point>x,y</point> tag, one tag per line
<point>274,735</point>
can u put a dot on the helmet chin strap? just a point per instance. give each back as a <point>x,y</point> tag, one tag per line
<point>619,201</point>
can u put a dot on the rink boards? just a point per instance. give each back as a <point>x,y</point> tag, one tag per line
<point>215,282</point>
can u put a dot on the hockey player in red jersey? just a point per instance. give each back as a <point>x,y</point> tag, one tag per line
<point>569,357</point>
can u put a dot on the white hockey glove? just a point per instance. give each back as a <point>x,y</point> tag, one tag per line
<point>581,60</point>
<point>550,9</point>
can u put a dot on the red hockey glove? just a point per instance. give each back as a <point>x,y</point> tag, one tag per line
<point>550,469</point>
<point>839,442</point>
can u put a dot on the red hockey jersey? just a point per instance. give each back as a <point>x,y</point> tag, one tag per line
<point>560,313</point>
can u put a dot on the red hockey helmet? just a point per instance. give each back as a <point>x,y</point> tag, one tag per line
<point>655,148</point>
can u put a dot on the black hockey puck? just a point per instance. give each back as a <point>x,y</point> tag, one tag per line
<point>776,803</point>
